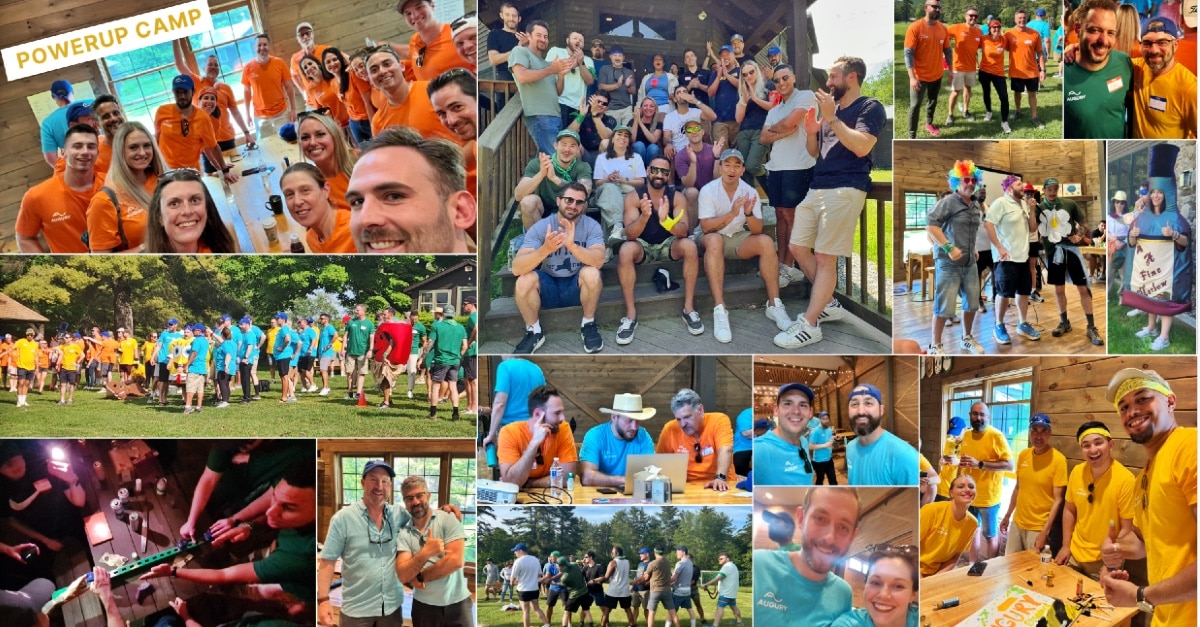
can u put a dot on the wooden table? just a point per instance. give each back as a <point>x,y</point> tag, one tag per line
<point>1004,571</point>
<point>923,261</point>
<point>243,205</point>
<point>693,494</point>
<point>1096,257</point>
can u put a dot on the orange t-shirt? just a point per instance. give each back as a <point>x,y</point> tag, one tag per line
<point>108,351</point>
<point>967,40</point>
<point>298,76</point>
<point>102,219</point>
<point>325,93</point>
<point>1022,55</point>
<point>5,356</point>
<point>416,112</point>
<point>103,159</point>
<point>716,434</point>
<point>339,241</point>
<point>225,101</point>
<point>58,212</point>
<point>929,44</point>
<point>268,84</point>
<point>440,55</point>
<point>179,150</point>
<point>515,438</point>
<point>992,61</point>
<point>43,358</point>
<point>337,191</point>
<point>354,98</point>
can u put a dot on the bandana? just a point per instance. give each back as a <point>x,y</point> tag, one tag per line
<point>1138,383</point>
<point>1094,430</point>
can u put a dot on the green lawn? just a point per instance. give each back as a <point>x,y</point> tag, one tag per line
<point>93,415</point>
<point>490,614</point>
<point>1049,106</point>
<point>1121,329</point>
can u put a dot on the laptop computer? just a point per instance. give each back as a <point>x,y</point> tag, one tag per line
<point>673,465</point>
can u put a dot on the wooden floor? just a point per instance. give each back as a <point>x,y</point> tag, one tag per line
<point>914,321</point>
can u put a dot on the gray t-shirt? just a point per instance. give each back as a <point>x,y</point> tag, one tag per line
<point>561,263</point>
<point>449,589</point>
<point>960,221</point>
<point>539,97</point>
<point>620,97</point>
<point>683,583</point>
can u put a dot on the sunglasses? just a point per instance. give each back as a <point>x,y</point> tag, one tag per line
<point>449,74</point>
<point>699,457</point>
<point>186,127</point>
<point>657,170</point>
<point>804,460</point>
<point>1145,490</point>
<point>190,174</point>
<point>313,113</point>
<point>1091,490</point>
<point>693,129</point>
<point>382,539</point>
<point>421,56</point>
<point>573,202</point>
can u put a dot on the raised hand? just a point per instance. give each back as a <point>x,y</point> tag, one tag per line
<point>811,125</point>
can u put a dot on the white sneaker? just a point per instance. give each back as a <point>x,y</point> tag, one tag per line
<point>801,333</point>
<point>410,395</point>
<point>777,313</point>
<point>969,343</point>
<point>962,107</point>
<point>311,388</point>
<point>1146,332</point>
<point>626,330</point>
<point>1004,127</point>
<point>1133,313</point>
<point>949,119</point>
<point>987,117</point>
<point>324,392</point>
<point>794,273</point>
<point>721,325</point>
<point>832,312</point>
<point>935,350</point>
<point>1158,344</point>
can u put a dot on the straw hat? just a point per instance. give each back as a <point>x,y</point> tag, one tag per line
<point>629,405</point>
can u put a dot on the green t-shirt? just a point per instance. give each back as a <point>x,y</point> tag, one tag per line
<point>1072,210</point>
<point>358,336</point>
<point>547,190</point>
<point>419,335</point>
<point>573,580</point>
<point>472,320</point>
<point>246,479</point>
<point>292,563</point>
<point>447,336</point>
<point>1095,103</point>
<point>539,97</point>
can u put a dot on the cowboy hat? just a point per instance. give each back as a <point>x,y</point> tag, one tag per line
<point>629,405</point>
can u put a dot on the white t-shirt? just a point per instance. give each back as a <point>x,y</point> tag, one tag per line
<point>673,122</point>
<point>728,586</point>
<point>526,570</point>
<point>630,167</point>
<point>714,203</point>
<point>791,152</point>
<point>573,86</point>
<point>1011,219</point>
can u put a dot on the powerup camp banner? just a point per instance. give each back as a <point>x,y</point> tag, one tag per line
<point>94,42</point>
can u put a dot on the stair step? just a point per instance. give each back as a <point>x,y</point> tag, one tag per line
<point>645,272</point>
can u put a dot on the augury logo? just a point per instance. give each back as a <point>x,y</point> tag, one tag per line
<point>1073,95</point>
<point>60,216</point>
<point>770,601</point>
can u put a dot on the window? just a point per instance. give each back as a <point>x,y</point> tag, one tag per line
<point>430,299</point>
<point>141,79</point>
<point>462,494</point>
<point>615,25</point>
<point>352,468</point>
<point>428,467</point>
<point>1009,397</point>
<point>917,206</point>
<point>463,292</point>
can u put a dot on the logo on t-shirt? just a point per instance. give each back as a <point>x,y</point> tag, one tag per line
<point>772,602</point>
<point>60,216</point>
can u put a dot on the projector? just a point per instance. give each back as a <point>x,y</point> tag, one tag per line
<point>498,492</point>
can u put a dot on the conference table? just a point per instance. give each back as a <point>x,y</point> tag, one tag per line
<point>694,493</point>
<point>244,205</point>
<point>1023,569</point>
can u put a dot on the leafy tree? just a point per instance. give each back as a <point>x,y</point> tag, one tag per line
<point>880,86</point>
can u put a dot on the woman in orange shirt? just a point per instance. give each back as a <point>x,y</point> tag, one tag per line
<point>323,88</point>
<point>322,143</point>
<point>183,217</point>
<point>991,71</point>
<point>131,179</point>
<point>348,93</point>
<point>307,195</point>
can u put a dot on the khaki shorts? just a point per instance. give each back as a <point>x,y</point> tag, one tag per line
<point>963,78</point>
<point>195,383</point>
<point>732,244</point>
<point>657,252</point>
<point>1020,539</point>
<point>639,598</point>
<point>356,366</point>
<point>826,220</point>
<point>385,372</point>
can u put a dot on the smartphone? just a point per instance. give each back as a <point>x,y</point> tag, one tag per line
<point>606,490</point>
<point>977,569</point>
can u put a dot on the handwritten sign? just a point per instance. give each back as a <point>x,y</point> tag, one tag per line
<point>1017,607</point>
<point>1153,268</point>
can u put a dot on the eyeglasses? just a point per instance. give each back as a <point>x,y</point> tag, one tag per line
<point>972,16</point>
<point>382,539</point>
<point>421,57</point>
<point>1156,43</point>
<point>657,170</point>
<point>573,202</point>
<point>699,457</point>
<point>412,498</point>
<point>186,127</point>
<point>1091,490</point>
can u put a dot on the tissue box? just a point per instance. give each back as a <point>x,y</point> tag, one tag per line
<point>657,488</point>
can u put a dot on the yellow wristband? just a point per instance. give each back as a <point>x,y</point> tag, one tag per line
<point>670,223</point>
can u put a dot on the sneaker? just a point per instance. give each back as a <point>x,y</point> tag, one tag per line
<point>1037,123</point>
<point>311,388</point>
<point>784,278</point>
<point>695,326</point>
<point>618,234</point>
<point>1036,297</point>
<point>987,117</point>
<point>721,325</point>
<point>384,406</point>
<point>188,410</point>
<point>1093,334</point>
<point>969,343</point>
<point>962,107</point>
<point>777,313</point>
<point>1027,331</point>
<point>592,342</point>
<point>625,331</point>
<point>967,115</point>
<point>410,395</point>
<point>795,275</point>
<point>323,392</point>
<point>1133,313</point>
<point>949,119</point>
<point>347,397</point>
<point>1146,332</point>
<point>222,405</point>
<point>800,334</point>
<point>1159,343</point>
<point>832,312</point>
<point>932,130</point>
<point>259,398</point>
<point>1062,329</point>
<point>62,402</point>
<point>530,343</point>
<point>954,319</point>
<point>149,401</point>
<point>1012,117</point>
<point>1006,128</point>
<point>1001,334</point>
<point>292,399</point>
<point>935,350</point>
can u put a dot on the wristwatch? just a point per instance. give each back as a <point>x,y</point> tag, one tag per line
<point>981,464</point>
<point>421,577</point>
<point>720,476</point>
<point>1142,604</point>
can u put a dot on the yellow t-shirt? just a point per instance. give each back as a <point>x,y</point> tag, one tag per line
<point>128,353</point>
<point>271,333</point>
<point>1112,499</point>
<point>147,351</point>
<point>924,464</point>
<point>942,537</point>
<point>1167,523</point>
<point>25,357</point>
<point>1037,476</point>
<point>1163,107</point>
<point>989,446</point>
<point>71,353</point>
<point>947,473</point>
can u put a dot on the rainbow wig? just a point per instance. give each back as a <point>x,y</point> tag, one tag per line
<point>963,169</point>
<point>1008,182</point>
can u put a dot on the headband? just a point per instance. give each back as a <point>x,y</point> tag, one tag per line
<point>1094,430</point>
<point>1138,383</point>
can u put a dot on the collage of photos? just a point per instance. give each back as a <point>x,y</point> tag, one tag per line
<point>537,313</point>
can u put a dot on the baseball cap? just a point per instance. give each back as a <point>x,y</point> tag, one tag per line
<point>737,37</point>
<point>616,50</point>
<point>378,463</point>
<point>622,128</point>
<point>287,132</point>
<point>784,389</point>
<point>774,50</point>
<point>303,25</point>
<point>1050,181</point>
<point>598,42</point>
<point>308,320</point>
<point>867,389</point>
<point>520,547</point>
<point>183,81</point>
<point>555,553</point>
<point>1160,25</point>
<point>681,548</point>
<point>1120,195</point>
<point>61,89</point>
<point>1128,379</point>
<point>78,110</point>
<point>732,153</point>
<point>1040,12</point>
<point>30,331</point>
<point>244,321</point>
<point>726,47</point>
<point>172,321</point>
<point>643,550</point>
<point>956,426</point>
<point>1028,187</point>
<point>1039,419</point>
<point>463,23</point>
<point>469,300</point>
<point>449,310</point>
<point>282,315</point>
<point>824,413</point>
<point>566,132</point>
<point>102,333</point>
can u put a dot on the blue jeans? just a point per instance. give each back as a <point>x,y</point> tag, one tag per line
<point>361,130</point>
<point>544,130</point>
<point>506,591</point>
<point>646,152</point>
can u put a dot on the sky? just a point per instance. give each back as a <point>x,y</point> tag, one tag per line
<point>860,29</point>
<point>601,513</point>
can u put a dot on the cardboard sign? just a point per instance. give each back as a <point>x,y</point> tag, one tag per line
<point>1017,607</point>
<point>1153,268</point>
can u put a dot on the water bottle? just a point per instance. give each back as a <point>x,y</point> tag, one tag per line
<point>570,482</point>
<point>493,458</point>
<point>1046,557</point>
<point>556,477</point>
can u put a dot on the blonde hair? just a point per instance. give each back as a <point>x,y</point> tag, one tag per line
<point>120,177</point>
<point>343,155</point>
<point>760,83</point>
<point>1129,29</point>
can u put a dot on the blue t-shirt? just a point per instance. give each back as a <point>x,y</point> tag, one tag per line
<point>821,435</point>
<point>55,127</point>
<point>724,102</point>
<point>552,570</point>
<point>325,345</point>
<point>744,422</point>
<point>517,378</point>
<point>227,348</point>
<point>777,462</point>
<point>1043,29</point>
<point>285,344</point>
<point>608,452</point>
<point>838,167</point>
<point>199,364</point>
<point>888,461</point>
<point>164,349</point>
<point>783,597</point>
<point>561,263</point>
<point>859,618</point>
<point>309,337</point>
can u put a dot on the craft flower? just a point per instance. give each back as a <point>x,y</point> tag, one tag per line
<point>1055,224</point>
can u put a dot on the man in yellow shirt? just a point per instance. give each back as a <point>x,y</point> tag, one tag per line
<point>1100,494</point>
<point>1041,482</point>
<point>23,355</point>
<point>986,457</point>
<point>68,377</point>
<point>126,354</point>
<point>1164,520</point>
<point>1164,91</point>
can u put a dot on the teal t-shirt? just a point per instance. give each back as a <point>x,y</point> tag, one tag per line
<point>1094,106</point>
<point>517,377</point>
<point>419,335</point>
<point>777,462</point>
<point>859,618</point>
<point>784,598</point>
<point>309,341</point>
<point>453,587</point>
<point>325,343</point>
<point>821,435</point>
<point>887,461</point>
<point>164,349</point>
<point>447,336</point>
<point>199,365</point>
<point>285,344</point>
<point>368,554</point>
<point>608,452</point>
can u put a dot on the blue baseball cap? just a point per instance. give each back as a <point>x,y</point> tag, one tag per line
<point>226,317</point>
<point>78,110</point>
<point>956,426</point>
<point>784,389</point>
<point>867,389</point>
<point>105,334</point>
<point>724,48</point>
<point>1040,12</point>
<point>183,81</point>
<point>78,335</point>
<point>281,315</point>
<point>61,89</point>
<point>287,133</point>
<point>520,547</point>
<point>1160,25</point>
<point>774,50</point>
<point>1039,419</point>
<point>616,50</point>
<point>172,321</point>
<point>762,423</point>
<point>643,550</point>
<point>244,321</point>
<point>378,463</point>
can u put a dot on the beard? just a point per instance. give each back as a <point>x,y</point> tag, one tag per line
<point>818,562</point>
<point>873,423</point>
<point>837,92</point>
<point>658,182</point>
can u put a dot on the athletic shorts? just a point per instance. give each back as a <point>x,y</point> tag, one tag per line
<point>69,376</point>
<point>1057,273</point>
<point>827,219</point>
<point>963,79</point>
<point>126,368</point>
<point>578,603</point>
<point>682,603</point>
<point>283,366</point>
<point>24,375</point>
<point>529,595</point>
<point>554,595</point>
<point>726,602</point>
<point>444,373</point>
<point>1012,278</point>
<point>470,367</point>
<point>787,188</point>
<point>989,519</point>
<point>1020,85</point>
<point>305,363</point>
<point>325,363</point>
<point>656,252</point>
<point>164,372</point>
<point>613,602</point>
<point>664,597</point>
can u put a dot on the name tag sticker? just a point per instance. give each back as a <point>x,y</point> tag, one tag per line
<point>708,450</point>
<point>1115,83</point>
<point>1158,103</point>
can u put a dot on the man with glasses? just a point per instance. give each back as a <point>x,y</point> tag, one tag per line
<point>781,455</point>
<point>308,46</point>
<point>877,456</point>
<point>952,227</point>
<point>265,80</point>
<point>985,455</point>
<point>184,132</point>
<point>1101,501</point>
<point>790,168</point>
<point>968,39</point>
<point>688,108</point>
<point>1041,483</point>
<point>558,265</point>
<point>926,44</point>
<point>431,546</point>
<point>1164,515</point>
<point>706,438</point>
<point>593,123</point>
<point>528,448</point>
<point>431,48</point>
<point>1097,84</point>
<point>1164,92</point>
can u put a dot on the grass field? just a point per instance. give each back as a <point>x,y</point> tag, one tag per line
<point>490,614</point>
<point>93,415</point>
<point>1050,101</point>
<point>1121,330</point>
